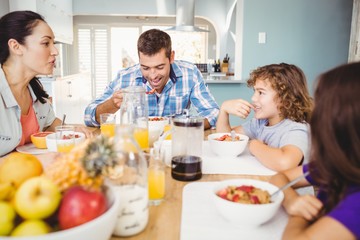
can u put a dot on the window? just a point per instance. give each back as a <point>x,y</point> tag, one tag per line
<point>103,50</point>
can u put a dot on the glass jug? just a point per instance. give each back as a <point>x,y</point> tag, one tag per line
<point>129,180</point>
<point>134,110</point>
<point>186,147</point>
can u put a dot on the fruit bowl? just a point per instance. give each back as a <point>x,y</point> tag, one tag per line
<point>227,148</point>
<point>51,140</point>
<point>96,229</point>
<point>39,139</point>
<point>246,214</point>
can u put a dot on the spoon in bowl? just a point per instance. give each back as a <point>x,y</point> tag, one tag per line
<point>288,185</point>
<point>232,135</point>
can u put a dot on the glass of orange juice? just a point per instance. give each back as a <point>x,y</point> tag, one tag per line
<point>107,124</point>
<point>156,177</point>
<point>141,136</point>
<point>65,138</point>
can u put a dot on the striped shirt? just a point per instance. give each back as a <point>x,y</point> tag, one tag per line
<point>185,88</point>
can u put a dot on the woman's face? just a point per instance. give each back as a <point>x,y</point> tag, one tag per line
<point>156,69</point>
<point>39,51</point>
<point>266,102</point>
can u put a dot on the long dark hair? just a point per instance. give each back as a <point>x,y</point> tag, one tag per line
<point>18,25</point>
<point>335,132</point>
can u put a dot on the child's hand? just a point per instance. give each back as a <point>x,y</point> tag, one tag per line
<point>305,206</point>
<point>237,107</point>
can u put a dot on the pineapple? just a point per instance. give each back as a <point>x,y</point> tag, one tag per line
<point>85,165</point>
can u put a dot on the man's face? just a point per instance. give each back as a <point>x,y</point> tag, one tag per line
<point>156,69</point>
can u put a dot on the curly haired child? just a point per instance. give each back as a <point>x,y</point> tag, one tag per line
<point>279,132</point>
<point>334,164</point>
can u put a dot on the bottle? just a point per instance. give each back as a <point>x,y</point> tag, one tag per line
<point>134,110</point>
<point>129,180</point>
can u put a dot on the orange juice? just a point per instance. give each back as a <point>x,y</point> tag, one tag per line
<point>108,129</point>
<point>167,128</point>
<point>156,178</point>
<point>141,136</point>
<point>65,148</point>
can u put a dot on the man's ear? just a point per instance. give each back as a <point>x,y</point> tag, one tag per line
<point>15,47</point>
<point>172,57</point>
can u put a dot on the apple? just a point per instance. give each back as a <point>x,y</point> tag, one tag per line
<point>7,216</point>
<point>37,198</point>
<point>79,206</point>
<point>32,227</point>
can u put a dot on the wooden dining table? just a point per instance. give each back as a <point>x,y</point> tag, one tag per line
<point>165,219</point>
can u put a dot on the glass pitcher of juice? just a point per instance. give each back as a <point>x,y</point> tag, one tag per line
<point>134,110</point>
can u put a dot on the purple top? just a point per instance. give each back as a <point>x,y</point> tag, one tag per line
<point>347,212</point>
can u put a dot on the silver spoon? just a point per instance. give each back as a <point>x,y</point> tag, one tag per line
<point>288,185</point>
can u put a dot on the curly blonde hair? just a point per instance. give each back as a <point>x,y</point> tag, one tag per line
<point>290,84</point>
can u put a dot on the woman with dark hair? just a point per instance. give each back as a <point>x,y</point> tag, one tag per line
<point>334,163</point>
<point>26,50</point>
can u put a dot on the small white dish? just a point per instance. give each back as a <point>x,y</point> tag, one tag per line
<point>31,149</point>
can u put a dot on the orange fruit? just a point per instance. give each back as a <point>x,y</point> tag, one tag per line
<point>39,139</point>
<point>18,167</point>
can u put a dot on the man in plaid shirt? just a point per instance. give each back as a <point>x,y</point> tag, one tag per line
<point>175,84</point>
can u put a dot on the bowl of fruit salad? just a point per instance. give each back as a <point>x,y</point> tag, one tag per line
<point>51,140</point>
<point>222,144</point>
<point>246,201</point>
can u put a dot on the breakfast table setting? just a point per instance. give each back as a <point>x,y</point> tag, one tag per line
<point>187,210</point>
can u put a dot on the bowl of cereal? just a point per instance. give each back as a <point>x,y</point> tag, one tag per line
<point>51,140</point>
<point>246,201</point>
<point>222,144</point>
<point>156,127</point>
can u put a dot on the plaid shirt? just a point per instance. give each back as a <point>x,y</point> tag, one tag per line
<point>185,87</point>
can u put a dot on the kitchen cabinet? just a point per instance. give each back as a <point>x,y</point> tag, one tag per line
<point>57,13</point>
<point>71,96</point>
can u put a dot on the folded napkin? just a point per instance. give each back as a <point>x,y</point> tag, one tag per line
<point>201,221</point>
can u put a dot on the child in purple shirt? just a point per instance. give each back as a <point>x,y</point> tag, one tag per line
<point>334,163</point>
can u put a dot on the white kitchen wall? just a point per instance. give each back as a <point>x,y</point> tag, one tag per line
<point>4,7</point>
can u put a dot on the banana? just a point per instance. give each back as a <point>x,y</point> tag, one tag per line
<point>7,191</point>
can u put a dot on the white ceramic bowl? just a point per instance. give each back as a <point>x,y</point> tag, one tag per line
<point>100,228</point>
<point>246,214</point>
<point>156,127</point>
<point>51,140</point>
<point>227,148</point>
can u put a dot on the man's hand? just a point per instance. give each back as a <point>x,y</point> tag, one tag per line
<point>111,105</point>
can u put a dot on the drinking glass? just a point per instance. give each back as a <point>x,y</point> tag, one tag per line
<point>156,177</point>
<point>65,138</point>
<point>107,124</point>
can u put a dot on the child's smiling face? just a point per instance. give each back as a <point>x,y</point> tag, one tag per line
<point>266,103</point>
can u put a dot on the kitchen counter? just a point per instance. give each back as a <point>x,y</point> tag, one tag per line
<point>221,78</point>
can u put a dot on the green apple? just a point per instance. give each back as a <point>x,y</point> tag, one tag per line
<point>37,198</point>
<point>7,216</point>
<point>31,228</point>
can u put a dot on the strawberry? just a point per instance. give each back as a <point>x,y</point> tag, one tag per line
<point>254,199</point>
<point>245,188</point>
<point>222,193</point>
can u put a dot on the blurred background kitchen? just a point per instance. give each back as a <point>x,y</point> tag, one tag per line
<point>225,38</point>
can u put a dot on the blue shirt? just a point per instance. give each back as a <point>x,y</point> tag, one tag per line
<point>185,87</point>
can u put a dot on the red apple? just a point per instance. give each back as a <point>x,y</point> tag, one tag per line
<point>79,206</point>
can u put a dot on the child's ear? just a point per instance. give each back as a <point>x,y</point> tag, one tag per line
<point>15,47</point>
